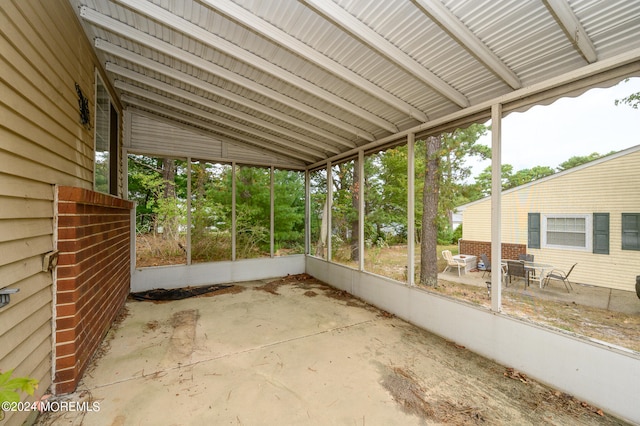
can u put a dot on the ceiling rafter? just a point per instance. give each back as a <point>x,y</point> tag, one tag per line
<point>176,75</point>
<point>572,27</point>
<point>442,16</point>
<point>120,28</point>
<point>275,34</point>
<point>184,94</point>
<point>373,40</point>
<point>206,124</point>
<point>218,43</point>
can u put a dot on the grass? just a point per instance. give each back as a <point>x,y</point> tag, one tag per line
<point>608,326</point>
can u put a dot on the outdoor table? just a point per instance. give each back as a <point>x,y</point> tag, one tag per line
<point>536,266</point>
<point>470,262</point>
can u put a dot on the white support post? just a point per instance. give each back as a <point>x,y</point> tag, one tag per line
<point>496,208</point>
<point>360,192</point>
<point>233,210</point>
<point>411,213</point>
<point>272,210</point>
<point>189,189</point>
<point>307,212</point>
<point>329,204</point>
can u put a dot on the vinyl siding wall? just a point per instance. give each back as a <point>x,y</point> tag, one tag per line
<point>609,186</point>
<point>43,53</point>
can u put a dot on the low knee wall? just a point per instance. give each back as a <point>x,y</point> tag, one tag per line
<point>92,278</point>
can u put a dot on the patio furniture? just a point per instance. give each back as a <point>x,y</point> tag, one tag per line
<point>537,271</point>
<point>453,263</point>
<point>516,268</point>
<point>470,261</point>
<point>526,257</point>
<point>559,275</point>
<point>487,264</point>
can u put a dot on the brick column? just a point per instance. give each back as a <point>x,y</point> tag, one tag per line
<point>93,277</point>
<point>475,248</point>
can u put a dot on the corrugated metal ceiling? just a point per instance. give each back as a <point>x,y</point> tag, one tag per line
<point>310,79</point>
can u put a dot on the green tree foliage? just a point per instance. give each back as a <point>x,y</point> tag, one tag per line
<point>578,160</point>
<point>344,219</point>
<point>509,178</point>
<point>289,206</point>
<point>456,149</point>
<point>159,186</point>
<point>633,100</point>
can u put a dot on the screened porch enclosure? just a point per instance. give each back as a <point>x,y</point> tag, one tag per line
<point>265,130</point>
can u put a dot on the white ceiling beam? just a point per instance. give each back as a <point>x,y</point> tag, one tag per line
<point>143,61</point>
<point>184,94</point>
<point>278,36</point>
<point>572,27</point>
<point>218,43</point>
<point>130,100</point>
<point>115,26</point>
<point>375,41</point>
<point>442,16</point>
<point>213,118</point>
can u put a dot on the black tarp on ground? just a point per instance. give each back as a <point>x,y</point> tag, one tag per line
<point>177,293</point>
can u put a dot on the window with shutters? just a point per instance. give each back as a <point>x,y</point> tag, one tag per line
<point>572,232</point>
<point>630,231</point>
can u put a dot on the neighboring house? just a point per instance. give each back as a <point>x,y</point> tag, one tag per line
<point>589,215</point>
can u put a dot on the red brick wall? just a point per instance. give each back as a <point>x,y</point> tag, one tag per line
<point>93,277</point>
<point>475,248</point>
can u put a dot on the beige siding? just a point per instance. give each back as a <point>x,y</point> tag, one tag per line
<point>610,186</point>
<point>43,53</point>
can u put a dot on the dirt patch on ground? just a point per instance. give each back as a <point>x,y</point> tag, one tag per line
<point>304,281</point>
<point>183,336</point>
<point>151,326</point>
<point>234,289</point>
<point>271,287</point>
<point>406,390</point>
<point>307,282</point>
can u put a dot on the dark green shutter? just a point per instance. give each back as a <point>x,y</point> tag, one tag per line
<point>630,231</point>
<point>601,233</point>
<point>533,240</point>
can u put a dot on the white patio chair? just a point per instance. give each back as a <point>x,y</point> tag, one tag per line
<point>451,262</point>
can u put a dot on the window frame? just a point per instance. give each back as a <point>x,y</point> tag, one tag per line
<point>588,231</point>
<point>112,139</point>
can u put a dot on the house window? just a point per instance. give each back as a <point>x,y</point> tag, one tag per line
<point>567,232</point>
<point>106,142</point>
<point>630,231</point>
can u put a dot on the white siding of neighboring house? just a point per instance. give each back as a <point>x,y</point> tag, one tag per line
<point>43,53</point>
<point>610,185</point>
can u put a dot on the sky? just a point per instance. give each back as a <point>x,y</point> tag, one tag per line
<point>549,135</point>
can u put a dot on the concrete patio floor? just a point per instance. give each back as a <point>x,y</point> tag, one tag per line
<point>296,351</point>
<point>598,297</point>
